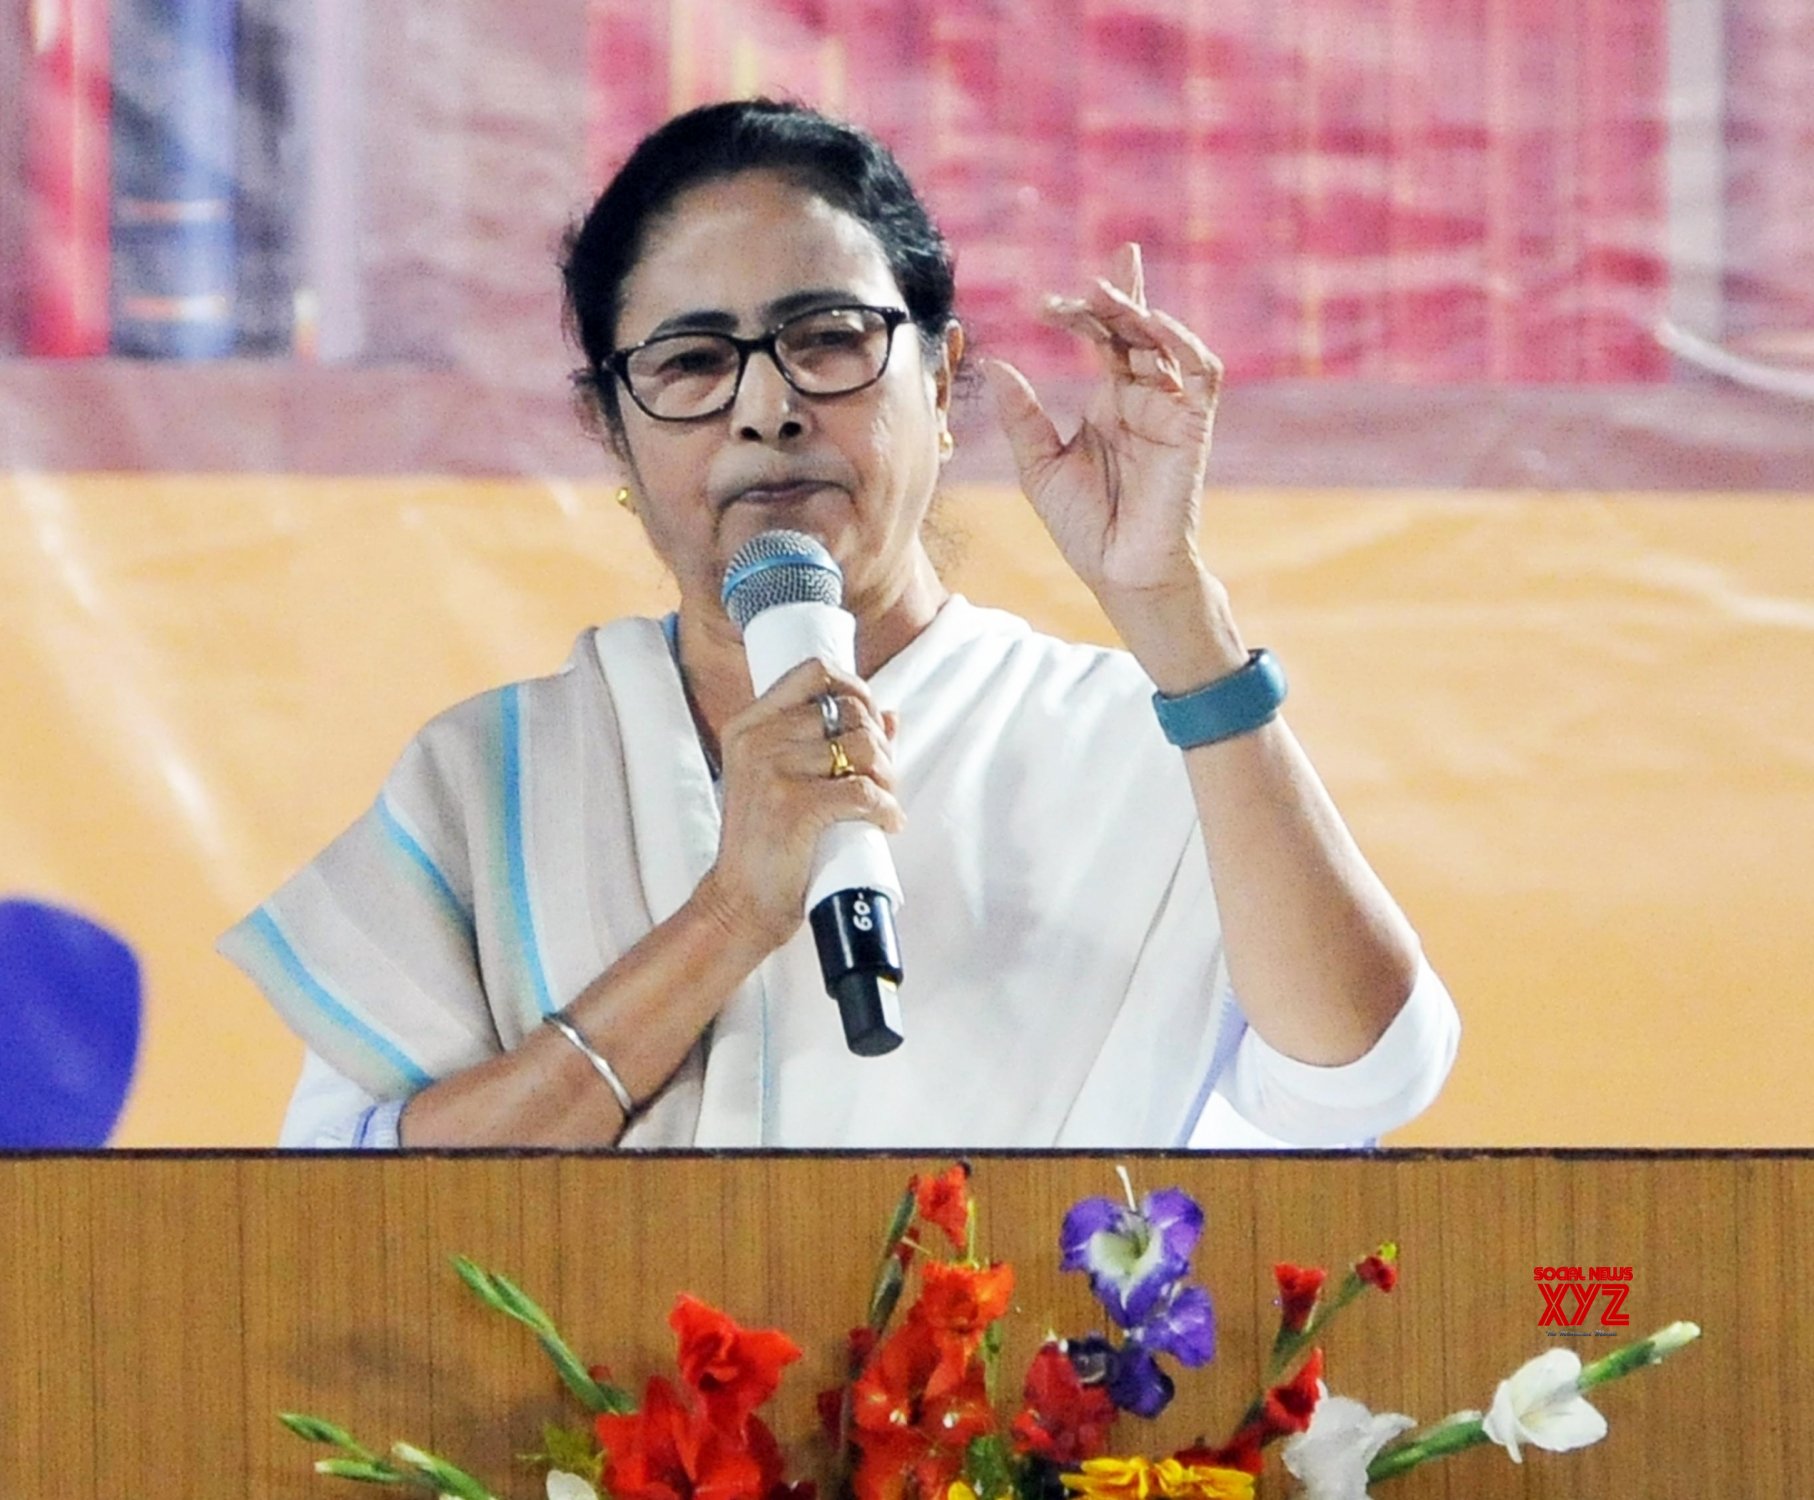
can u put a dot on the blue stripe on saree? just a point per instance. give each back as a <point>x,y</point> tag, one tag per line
<point>411,849</point>
<point>515,865</point>
<point>297,972</point>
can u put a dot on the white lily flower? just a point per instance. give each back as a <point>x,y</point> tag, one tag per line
<point>1330,1457</point>
<point>1542,1406</point>
<point>565,1486</point>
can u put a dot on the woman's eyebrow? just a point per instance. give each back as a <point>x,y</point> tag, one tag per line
<point>717,320</point>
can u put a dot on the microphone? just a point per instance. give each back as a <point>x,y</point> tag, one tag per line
<point>787,594</point>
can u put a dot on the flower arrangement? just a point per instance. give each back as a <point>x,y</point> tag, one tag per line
<point>920,1415</point>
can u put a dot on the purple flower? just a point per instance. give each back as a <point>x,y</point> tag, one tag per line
<point>1133,1256</point>
<point>1129,1373</point>
<point>1183,1326</point>
<point>1137,1384</point>
<point>1092,1357</point>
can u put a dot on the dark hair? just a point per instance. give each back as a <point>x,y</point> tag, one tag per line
<point>847,167</point>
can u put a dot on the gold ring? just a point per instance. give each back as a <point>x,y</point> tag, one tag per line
<point>840,762</point>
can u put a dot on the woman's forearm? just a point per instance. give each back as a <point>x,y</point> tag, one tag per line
<point>643,1014</point>
<point>1318,951</point>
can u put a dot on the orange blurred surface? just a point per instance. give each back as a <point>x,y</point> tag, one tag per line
<point>1574,733</point>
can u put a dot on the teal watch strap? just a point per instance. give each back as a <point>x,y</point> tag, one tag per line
<point>1236,704</point>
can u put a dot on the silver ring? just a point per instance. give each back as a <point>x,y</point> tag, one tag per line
<point>831,715</point>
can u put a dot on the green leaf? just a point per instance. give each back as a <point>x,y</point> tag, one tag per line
<point>903,1216</point>
<point>987,1470</point>
<point>889,1282</point>
<point>574,1449</point>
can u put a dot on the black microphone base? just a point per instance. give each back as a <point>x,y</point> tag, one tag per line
<point>871,1012</point>
<point>860,957</point>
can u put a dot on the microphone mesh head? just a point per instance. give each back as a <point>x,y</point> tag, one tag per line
<point>780,567</point>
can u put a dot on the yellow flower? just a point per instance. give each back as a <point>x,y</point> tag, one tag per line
<point>1141,1479</point>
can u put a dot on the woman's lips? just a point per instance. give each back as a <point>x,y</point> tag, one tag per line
<point>780,494</point>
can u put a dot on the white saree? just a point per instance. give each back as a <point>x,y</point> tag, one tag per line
<point>1065,984</point>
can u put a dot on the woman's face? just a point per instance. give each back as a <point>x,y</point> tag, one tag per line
<point>857,471</point>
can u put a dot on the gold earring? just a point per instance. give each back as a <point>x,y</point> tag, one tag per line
<point>625,499</point>
<point>947,445</point>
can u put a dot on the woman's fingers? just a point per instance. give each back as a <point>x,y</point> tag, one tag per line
<point>1138,343</point>
<point>865,752</point>
<point>859,797</point>
<point>786,779</point>
<point>1142,327</point>
<point>807,681</point>
<point>799,698</point>
<point>1032,438</point>
<point>1076,316</point>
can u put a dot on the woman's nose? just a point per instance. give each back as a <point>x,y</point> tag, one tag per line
<point>767,408</point>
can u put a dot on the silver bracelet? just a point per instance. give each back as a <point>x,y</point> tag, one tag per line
<point>592,1055</point>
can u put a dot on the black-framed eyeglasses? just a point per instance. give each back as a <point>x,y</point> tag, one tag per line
<point>830,351</point>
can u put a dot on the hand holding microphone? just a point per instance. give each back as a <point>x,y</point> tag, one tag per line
<point>808,767</point>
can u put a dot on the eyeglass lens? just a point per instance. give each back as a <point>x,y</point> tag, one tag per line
<point>824,353</point>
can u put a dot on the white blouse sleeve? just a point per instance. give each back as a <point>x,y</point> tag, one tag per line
<point>1300,1104</point>
<point>329,1112</point>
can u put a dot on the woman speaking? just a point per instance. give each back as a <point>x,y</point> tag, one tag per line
<point>575,915</point>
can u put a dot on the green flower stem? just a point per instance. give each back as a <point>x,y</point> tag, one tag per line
<point>884,1296</point>
<point>315,1430</point>
<point>503,1295</point>
<point>360,1463</point>
<point>375,1472</point>
<point>1287,1347</point>
<point>443,1477</point>
<point>1466,1429</point>
<point>991,1352</point>
<point>1451,1435</point>
<point>1659,1346</point>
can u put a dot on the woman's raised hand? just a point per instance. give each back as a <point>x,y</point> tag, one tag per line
<point>784,785</point>
<point>1122,497</point>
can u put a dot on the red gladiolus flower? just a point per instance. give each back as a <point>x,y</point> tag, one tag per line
<point>733,1369</point>
<point>905,1467</point>
<point>665,1452</point>
<point>912,1438</point>
<point>1379,1270</point>
<point>1299,1288</point>
<point>1064,1420</point>
<point>886,1396</point>
<point>923,1458</point>
<point>862,1343</point>
<point>958,1303</point>
<point>944,1200</point>
<point>1242,1451</point>
<point>830,1406</point>
<point>1290,1404</point>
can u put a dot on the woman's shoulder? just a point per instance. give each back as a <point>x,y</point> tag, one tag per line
<point>995,649</point>
<point>576,689</point>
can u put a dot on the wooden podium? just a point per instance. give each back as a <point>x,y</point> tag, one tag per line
<point>157,1310</point>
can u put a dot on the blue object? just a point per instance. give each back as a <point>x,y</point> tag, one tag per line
<point>70,1000</point>
<point>1231,705</point>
